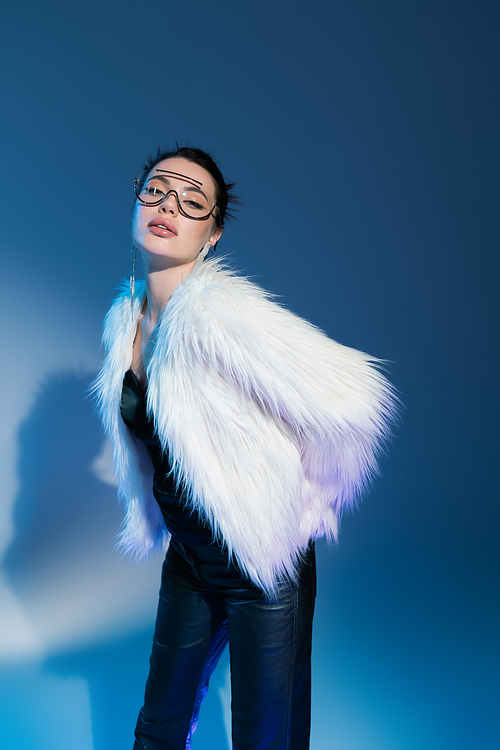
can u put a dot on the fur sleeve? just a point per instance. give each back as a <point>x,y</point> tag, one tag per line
<point>143,528</point>
<point>334,398</point>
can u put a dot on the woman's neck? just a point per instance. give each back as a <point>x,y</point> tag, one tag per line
<point>160,285</point>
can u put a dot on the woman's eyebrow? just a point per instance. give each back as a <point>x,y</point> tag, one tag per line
<point>189,187</point>
<point>176,174</point>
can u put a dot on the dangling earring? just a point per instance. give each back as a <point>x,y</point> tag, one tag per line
<point>203,253</point>
<point>132,279</point>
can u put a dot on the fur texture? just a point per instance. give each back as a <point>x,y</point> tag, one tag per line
<point>271,426</point>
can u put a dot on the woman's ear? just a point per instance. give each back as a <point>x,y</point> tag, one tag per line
<point>215,237</point>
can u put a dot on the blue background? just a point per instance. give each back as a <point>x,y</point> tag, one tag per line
<point>364,140</point>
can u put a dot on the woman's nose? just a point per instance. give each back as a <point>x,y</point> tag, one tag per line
<point>169,204</point>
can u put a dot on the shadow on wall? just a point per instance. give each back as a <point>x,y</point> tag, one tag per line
<point>93,611</point>
<point>60,505</point>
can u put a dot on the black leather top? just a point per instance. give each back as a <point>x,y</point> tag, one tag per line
<point>187,526</point>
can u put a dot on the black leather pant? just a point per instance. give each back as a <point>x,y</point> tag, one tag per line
<point>204,603</point>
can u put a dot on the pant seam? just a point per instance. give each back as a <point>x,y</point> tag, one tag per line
<point>292,670</point>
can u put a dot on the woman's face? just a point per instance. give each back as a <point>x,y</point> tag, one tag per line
<point>163,235</point>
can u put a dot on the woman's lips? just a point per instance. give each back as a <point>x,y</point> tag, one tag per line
<point>160,231</point>
<point>162,228</point>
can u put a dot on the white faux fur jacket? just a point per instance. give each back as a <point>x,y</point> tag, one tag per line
<point>271,426</point>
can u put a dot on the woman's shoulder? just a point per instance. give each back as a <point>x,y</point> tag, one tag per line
<point>216,272</point>
<point>214,282</point>
<point>123,296</point>
<point>122,301</point>
<point>119,315</point>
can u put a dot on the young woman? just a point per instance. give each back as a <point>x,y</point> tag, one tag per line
<point>240,433</point>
